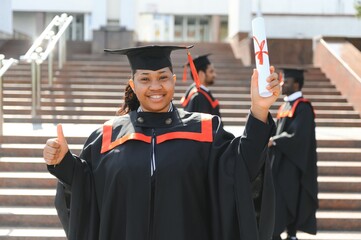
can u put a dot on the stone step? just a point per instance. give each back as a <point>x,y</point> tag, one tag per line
<point>320,122</point>
<point>341,168</point>
<point>339,154</point>
<point>339,220</point>
<point>339,201</point>
<point>30,150</point>
<point>27,197</point>
<point>329,235</point>
<point>25,164</point>
<point>341,184</point>
<point>35,139</point>
<point>29,217</point>
<point>36,233</point>
<point>43,180</point>
<point>54,234</point>
<point>338,143</point>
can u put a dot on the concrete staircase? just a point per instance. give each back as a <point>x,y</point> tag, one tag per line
<point>88,91</point>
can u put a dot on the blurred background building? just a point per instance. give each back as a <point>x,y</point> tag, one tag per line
<point>199,21</point>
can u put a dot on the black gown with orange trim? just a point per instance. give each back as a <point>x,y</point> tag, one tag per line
<point>295,167</point>
<point>200,100</point>
<point>207,184</point>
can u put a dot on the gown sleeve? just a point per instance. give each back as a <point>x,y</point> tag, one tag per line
<point>76,191</point>
<point>241,185</point>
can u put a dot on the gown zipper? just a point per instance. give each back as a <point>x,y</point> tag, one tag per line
<point>152,192</point>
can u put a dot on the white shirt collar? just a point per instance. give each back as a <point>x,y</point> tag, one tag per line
<point>293,96</point>
<point>204,88</point>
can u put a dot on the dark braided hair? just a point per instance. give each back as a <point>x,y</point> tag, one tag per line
<point>131,101</point>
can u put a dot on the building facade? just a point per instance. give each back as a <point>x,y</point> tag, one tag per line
<point>184,21</point>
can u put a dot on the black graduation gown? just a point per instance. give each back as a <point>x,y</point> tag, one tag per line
<point>295,167</point>
<point>207,183</point>
<point>200,101</point>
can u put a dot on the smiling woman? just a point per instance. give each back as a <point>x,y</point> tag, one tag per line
<point>153,82</point>
<point>154,89</point>
<point>158,173</point>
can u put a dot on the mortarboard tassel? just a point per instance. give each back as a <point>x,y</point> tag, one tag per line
<point>185,72</point>
<point>194,71</point>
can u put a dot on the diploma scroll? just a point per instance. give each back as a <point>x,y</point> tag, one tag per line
<point>261,55</point>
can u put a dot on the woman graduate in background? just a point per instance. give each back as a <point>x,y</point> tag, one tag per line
<point>157,172</point>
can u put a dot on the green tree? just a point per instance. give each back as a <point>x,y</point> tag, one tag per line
<point>358,8</point>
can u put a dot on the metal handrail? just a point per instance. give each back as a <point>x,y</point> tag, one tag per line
<point>36,55</point>
<point>5,64</point>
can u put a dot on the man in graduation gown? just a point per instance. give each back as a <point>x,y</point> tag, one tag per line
<point>167,175</point>
<point>199,98</point>
<point>294,157</point>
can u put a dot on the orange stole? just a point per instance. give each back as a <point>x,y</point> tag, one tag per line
<point>289,113</point>
<point>184,101</point>
<point>204,136</point>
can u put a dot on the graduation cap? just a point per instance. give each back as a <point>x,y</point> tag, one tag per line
<point>199,62</point>
<point>292,73</point>
<point>148,57</point>
<point>295,73</point>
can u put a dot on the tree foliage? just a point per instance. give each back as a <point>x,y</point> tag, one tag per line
<point>358,8</point>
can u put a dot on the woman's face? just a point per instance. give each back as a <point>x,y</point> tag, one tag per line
<point>154,89</point>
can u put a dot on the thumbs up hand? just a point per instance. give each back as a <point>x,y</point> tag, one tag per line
<point>55,148</point>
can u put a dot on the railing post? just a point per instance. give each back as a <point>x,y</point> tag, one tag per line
<point>62,42</point>
<point>38,86</point>
<point>50,37</point>
<point>2,57</point>
<point>33,87</point>
<point>60,53</point>
<point>50,69</point>
<point>36,81</point>
<point>35,55</point>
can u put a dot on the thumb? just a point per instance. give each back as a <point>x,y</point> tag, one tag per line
<point>254,81</point>
<point>60,134</point>
<point>62,142</point>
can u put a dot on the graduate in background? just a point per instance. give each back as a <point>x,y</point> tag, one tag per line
<point>157,172</point>
<point>293,150</point>
<point>200,98</point>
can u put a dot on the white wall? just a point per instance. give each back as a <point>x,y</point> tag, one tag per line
<point>113,10</point>
<point>128,14</point>
<point>25,23</point>
<point>185,7</point>
<point>332,17</point>
<point>306,6</point>
<point>6,22</point>
<point>239,17</point>
<point>310,26</point>
<point>53,6</point>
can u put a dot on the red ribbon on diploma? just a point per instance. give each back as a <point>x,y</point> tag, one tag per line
<point>260,53</point>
